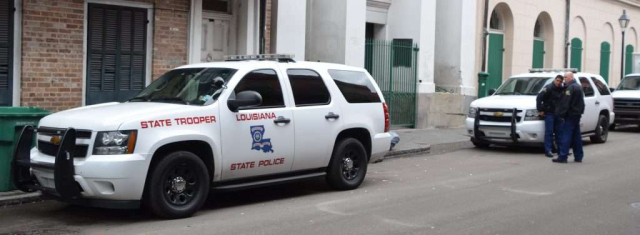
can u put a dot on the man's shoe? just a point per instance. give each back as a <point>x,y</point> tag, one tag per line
<point>559,161</point>
<point>549,154</point>
<point>578,161</point>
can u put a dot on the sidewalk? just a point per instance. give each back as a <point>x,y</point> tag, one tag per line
<point>420,141</point>
<point>412,142</point>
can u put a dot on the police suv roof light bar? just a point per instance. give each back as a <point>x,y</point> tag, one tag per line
<point>552,70</point>
<point>260,57</point>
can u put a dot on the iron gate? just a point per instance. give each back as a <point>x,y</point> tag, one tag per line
<point>393,64</point>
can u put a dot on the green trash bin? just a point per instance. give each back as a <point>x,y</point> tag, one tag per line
<point>12,119</point>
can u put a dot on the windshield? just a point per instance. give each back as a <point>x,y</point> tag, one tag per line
<point>193,86</point>
<point>523,86</point>
<point>630,83</point>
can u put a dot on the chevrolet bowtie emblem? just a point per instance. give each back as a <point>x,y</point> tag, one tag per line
<point>55,140</point>
<point>498,114</point>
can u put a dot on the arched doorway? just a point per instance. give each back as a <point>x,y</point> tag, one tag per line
<point>628,59</point>
<point>500,41</point>
<point>605,51</point>
<point>605,57</point>
<point>542,42</point>
<point>578,38</point>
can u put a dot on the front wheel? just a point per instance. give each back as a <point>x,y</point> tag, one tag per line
<point>178,185</point>
<point>602,130</point>
<point>348,165</point>
<point>480,145</point>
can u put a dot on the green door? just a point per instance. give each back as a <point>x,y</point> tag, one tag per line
<point>538,54</point>
<point>605,56</point>
<point>496,53</point>
<point>576,54</point>
<point>628,62</point>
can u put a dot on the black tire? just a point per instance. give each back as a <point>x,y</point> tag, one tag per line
<point>178,185</point>
<point>602,131</point>
<point>480,145</point>
<point>348,165</point>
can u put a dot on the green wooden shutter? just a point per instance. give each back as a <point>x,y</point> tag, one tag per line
<point>117,53</point>
<point>628,61</point>
<point>538,54</point>
<point>6,52</point>
<point>495,62</point>
<point>605,57</point>
<point>576,54</point>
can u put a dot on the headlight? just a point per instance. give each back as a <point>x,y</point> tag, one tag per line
<point>472,112</point>
<point>532,115</point>
<point>115,142</point>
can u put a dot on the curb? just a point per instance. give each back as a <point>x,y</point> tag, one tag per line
<point>432,149</point>
<point>18,197</point>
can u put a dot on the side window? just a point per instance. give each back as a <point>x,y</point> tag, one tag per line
<point>266,83</point>
<point>586,87</point>
<point>602,88</point>
<point>355,86</point>
<point>308,88</point>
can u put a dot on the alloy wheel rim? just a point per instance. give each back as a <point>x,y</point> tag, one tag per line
<point>350,165</point>
<point>180,185</point>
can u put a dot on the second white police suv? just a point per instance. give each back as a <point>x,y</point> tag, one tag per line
<point>509,116</point>
<point>246,122</point>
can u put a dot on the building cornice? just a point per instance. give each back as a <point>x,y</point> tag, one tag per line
<point>380,4</point>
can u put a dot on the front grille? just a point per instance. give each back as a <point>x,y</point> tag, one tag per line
<point>497,119</point>
<point>50,131</point>
<point>627,104</point>
<point>507,113</point>
<point>52,149</point>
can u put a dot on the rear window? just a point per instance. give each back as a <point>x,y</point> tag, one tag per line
<point>355,86</point>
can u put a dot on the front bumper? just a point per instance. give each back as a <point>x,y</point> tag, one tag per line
<point>527,133</point>
<point>113,181</point>
<point>627,117</point>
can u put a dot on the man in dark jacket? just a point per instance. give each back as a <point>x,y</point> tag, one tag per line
<point>546,105</point>
<point>571,109</point>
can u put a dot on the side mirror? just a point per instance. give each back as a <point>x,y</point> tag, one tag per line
<point>492,91</point>
<point>612,89</point>
<point>245,99</point>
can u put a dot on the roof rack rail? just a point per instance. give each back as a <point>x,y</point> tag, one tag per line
<point>261,57</point>
<point>553,70</point>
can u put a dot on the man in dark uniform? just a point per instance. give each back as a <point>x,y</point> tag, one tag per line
<point>571,108</point>
<point>546,105</point>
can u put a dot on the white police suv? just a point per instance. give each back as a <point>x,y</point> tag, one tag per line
<point>509,116</point>
<point>627,101</point>
<point>247,122</point>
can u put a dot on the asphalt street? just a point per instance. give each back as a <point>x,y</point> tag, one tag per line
<point>470,191</point>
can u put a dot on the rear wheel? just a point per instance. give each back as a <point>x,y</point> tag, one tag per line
<point>348,165</point>
<point>178,185</point>
<point>602,130</point>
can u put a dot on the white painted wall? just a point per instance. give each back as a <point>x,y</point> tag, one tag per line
<point>289,27</point>
<point>326,31</point>
<point>355,32</point>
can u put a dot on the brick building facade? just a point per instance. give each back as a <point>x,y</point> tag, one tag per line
<point>49,57</point>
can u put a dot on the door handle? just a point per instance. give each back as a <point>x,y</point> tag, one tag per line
<point>331,115</point>
<point>597,102</point>
<point>282,120</point>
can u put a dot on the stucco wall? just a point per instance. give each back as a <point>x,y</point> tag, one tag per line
<point>600,19</point>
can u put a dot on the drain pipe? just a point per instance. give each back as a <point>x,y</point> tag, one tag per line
<point>483,75</point>
<point>485,34</point>
<point>566,34</point>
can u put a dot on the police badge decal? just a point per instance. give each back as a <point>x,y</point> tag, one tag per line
<point>257,132</point>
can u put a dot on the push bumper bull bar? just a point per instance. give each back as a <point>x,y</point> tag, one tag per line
<point>513,136</point>
<point>66,188</point>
